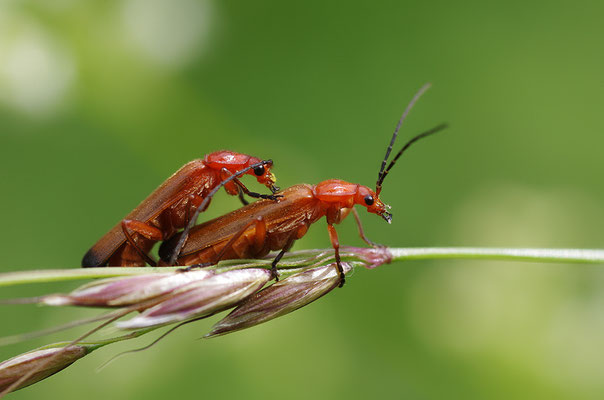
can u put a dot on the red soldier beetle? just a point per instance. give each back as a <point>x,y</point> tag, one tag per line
<point>256,229</point>
<point>174,203</point>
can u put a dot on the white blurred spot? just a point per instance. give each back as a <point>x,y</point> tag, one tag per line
<point>36,72</point>
<point>169,32</point>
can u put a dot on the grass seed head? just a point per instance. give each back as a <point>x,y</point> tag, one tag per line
<point>373,257</point>
<point>44,361</point>
<point>204,297</point>
<point>128,291</point>
<point>281,298</point>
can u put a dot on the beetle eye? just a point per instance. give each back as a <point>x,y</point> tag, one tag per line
<point>259,170</point>
<point>369,200</point>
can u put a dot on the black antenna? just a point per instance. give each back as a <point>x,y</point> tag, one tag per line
<point>419,93</point>
<point>405,147</point>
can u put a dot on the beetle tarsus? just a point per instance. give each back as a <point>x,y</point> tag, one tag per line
<point>194,266</point>
<point>275,273</point>
<point>264,196</point>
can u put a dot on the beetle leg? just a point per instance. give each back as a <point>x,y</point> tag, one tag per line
<point>259,237</point>
<point>145,230</point>
<point>333,235</point>
<point>242,198</point>
<point>225,173</point>
<point>254,194</point>
<point>361,232</point>
<point>285,249</point>
<point>192,204</point>
<point>194,266</point>
<point>230,187</point>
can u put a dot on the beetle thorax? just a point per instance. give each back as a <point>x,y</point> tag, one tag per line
<point>226,159</point>
<point>335,191</point>
<point>337,198</point>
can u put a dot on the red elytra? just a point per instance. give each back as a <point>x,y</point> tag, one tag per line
<point>171,206</point>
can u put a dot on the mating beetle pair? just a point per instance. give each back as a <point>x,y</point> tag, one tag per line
<point>273,223</point>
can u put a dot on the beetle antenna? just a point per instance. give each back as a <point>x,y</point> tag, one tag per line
<point>405,147</point>
<point>419,93</point>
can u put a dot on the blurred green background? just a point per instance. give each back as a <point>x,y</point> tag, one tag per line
<point>101,101</point>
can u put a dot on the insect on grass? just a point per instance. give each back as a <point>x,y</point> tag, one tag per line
<point>174,203</point>
<point>256,229</point>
